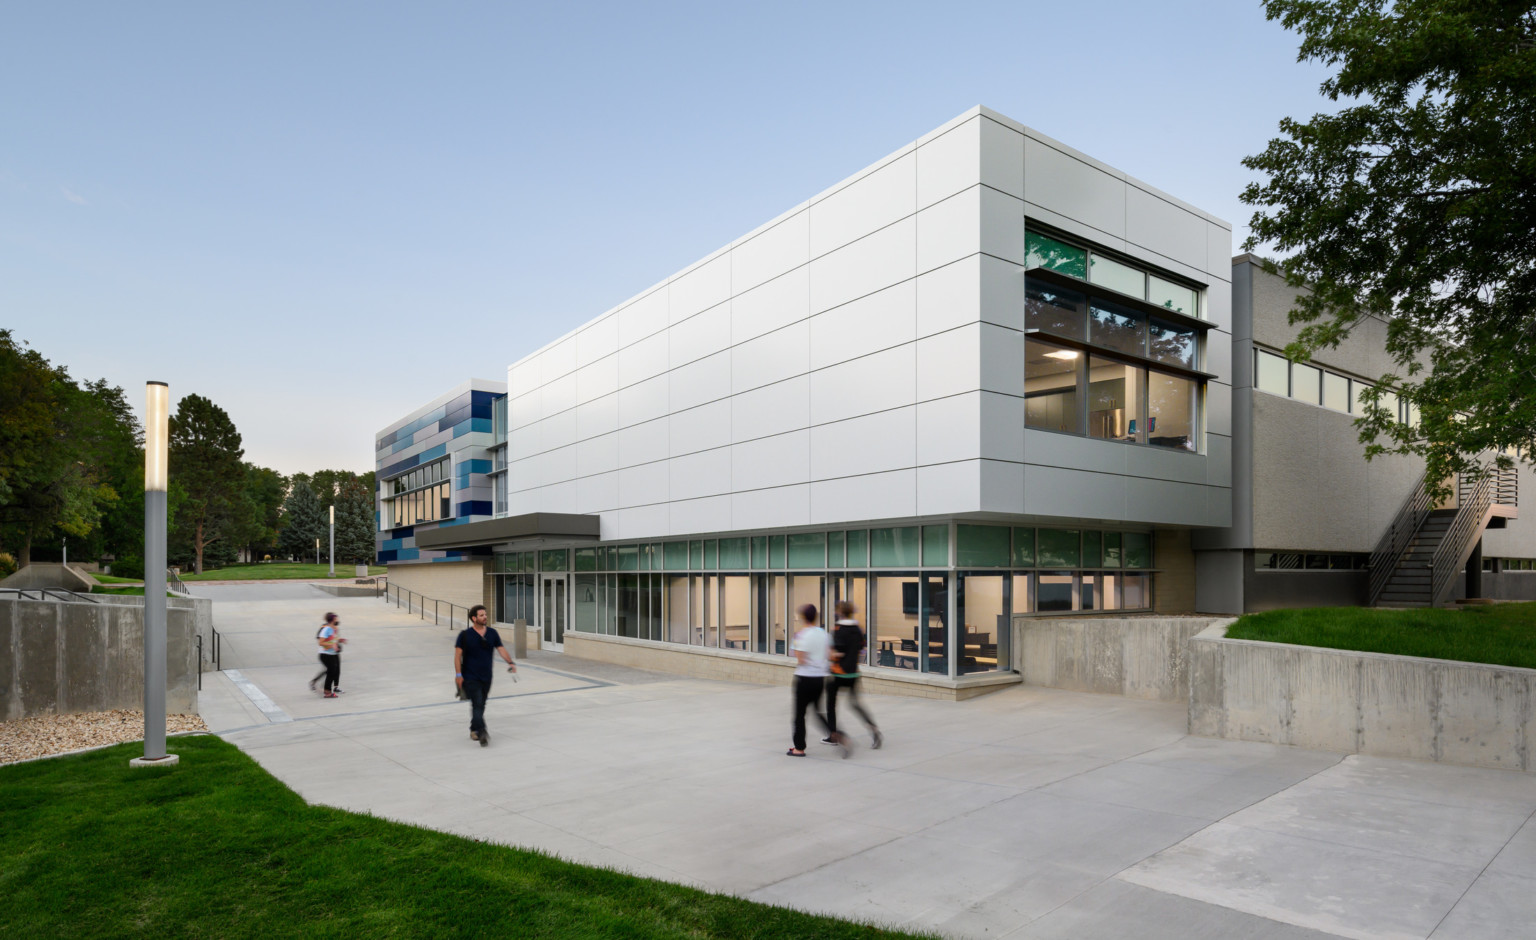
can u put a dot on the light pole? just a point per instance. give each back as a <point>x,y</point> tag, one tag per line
<point>157,411</point>
<point>333,540</point>
<point>317,551</point>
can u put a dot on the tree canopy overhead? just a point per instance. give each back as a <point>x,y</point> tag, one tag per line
<point>1415,202</point>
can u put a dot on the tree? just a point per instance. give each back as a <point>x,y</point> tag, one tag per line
<point>205,452</point>
<point>58,445</point>
<point>266,490</point>
<point>1413,203</point>
<point>303,521</point>
<point>355,525</point>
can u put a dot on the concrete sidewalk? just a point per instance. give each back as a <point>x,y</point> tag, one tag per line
<point>1028,813</point>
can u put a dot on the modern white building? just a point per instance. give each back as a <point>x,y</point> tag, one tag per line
<point>986,375</point>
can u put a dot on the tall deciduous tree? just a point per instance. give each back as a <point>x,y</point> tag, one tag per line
<point>1413,203</point>
<point>59,446</point>
<point>205,452</point>
<point>303,522</point>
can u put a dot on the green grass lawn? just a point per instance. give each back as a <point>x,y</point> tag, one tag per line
<point>217,847</point>
<point>136,590</point>
<point>1501,634</point>
<point>110,579</point>
<point>276,571</point>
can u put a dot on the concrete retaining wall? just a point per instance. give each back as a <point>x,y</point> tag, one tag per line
<point>62,658</point>
<point>1138,657</point>
<point>763,669</point>
<point>1363,703</point>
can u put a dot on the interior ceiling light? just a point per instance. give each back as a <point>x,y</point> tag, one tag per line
<point>1062,354</point>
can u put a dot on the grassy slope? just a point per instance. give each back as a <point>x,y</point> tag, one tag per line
<point>275,571</point>
<point>1501,634</point>
<point>217,847</point>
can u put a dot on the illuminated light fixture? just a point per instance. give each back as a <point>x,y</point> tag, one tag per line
<point>1062,354</point>
<point>157,419</point>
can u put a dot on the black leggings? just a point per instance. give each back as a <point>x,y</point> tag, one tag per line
<point>850,684</point>
<point>332,664</point>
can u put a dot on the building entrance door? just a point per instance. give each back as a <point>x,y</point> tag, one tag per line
<point>554,596</point>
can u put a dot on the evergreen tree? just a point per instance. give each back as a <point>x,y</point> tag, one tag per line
<point>355,525</point>
<point>303,522</point>
<point>205,452</point>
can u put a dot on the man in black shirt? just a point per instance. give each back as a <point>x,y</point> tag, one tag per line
<point>472,658</point>
<point>847,653</point>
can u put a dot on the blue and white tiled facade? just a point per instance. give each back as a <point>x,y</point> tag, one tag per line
<point>457,431</point>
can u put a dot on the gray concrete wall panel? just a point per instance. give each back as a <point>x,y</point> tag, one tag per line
<point>1219,581</point>
<point>63,658</point>
<point>1138,657</point>
<point>1364,703</point>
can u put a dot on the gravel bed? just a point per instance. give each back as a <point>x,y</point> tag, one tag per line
<point>27,738</point>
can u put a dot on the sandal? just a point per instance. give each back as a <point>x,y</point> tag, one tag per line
<point>794,753</point>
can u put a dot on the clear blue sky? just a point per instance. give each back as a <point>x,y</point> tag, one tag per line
<point>321,215</point>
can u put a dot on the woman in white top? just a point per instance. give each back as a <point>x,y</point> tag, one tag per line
<point>330,639</point>
<point>811,647</point>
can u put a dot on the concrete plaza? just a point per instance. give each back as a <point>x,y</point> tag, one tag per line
<point>1027,813</point>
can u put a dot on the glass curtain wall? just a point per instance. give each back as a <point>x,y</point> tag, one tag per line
<point>935,599</point>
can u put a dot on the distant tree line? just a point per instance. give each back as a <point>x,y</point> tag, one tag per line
<point>72,470</point>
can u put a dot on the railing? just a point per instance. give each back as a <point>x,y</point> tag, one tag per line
<point>1395,541</point>
<point>438,610</point>
<point>1474,497</point>
<point>1506,487</point>
<point>45,594</point>
<point>173,582</point>
<point>201,659</point>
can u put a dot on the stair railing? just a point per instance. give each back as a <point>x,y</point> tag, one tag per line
<point>1394,542</point>
<point>1474,497</point>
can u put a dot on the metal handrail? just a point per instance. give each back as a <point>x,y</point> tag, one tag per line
<point>417,603</point>
<point>1506,487</point>
<point>43,594</point>
<point>1474,498</point>
<point>1394,542</point>
<point>173,582</point>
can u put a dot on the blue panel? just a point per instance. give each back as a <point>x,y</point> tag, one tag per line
<point>398,468</point>
<point>404,532</point>
<point>387,557</point>
<point>474,507</point>
<point>478,398</point>
<point>482,411</point>
<point>390,544</point>
<point>409,554</point>
<point>472,425</point>
<point>448,522</point>
<point>432,454</point>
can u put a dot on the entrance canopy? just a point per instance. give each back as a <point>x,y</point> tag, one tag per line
<point>554,525</point>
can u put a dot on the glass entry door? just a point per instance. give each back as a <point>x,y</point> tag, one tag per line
<point>554,594</point>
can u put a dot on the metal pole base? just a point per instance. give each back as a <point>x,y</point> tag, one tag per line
<point>169,760</point>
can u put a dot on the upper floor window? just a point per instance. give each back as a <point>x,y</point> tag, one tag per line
<point>1101,359</point>
<point>1086,264</point>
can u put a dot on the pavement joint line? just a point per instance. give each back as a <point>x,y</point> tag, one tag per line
<point>403,708</point>
<point>260,699</point>
<point>1481,872</point>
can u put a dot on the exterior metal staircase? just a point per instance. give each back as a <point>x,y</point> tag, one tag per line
<point>1424,549</point>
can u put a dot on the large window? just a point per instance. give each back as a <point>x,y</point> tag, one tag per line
<point>1102,365</point>
<point>425,494</point>
<point>1121,401</point>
